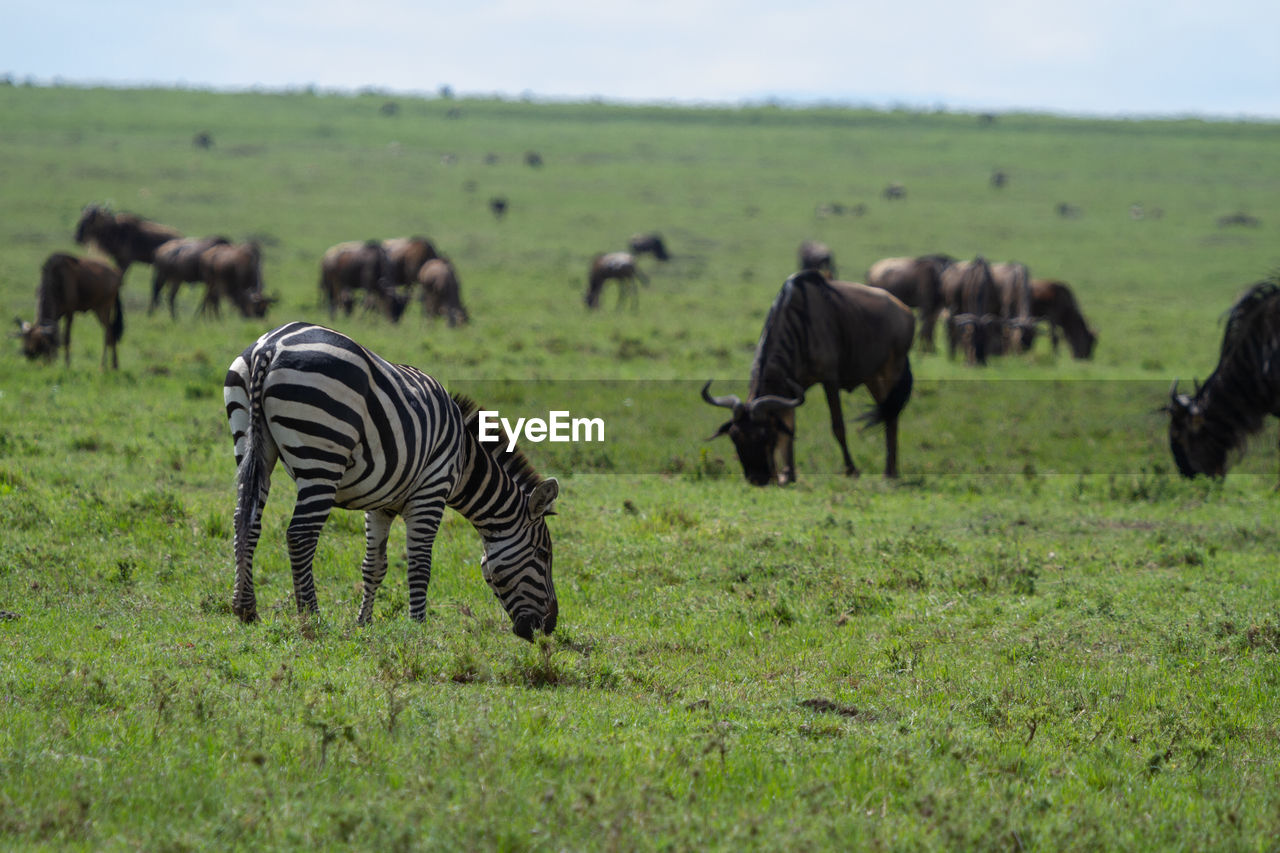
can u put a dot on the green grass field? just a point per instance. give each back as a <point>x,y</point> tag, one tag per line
<point>1040,638</point>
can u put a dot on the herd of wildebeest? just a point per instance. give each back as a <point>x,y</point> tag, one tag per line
<point>819,331</point>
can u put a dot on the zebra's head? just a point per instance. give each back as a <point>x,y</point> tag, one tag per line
<point>517,566</point>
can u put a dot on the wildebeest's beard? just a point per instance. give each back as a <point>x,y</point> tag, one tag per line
<point>755,442</point>
<point>1196,450</point>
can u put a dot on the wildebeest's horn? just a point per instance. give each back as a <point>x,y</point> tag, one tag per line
<point>772,403</point>
<point>729,401</point>
<point>1173,389</point>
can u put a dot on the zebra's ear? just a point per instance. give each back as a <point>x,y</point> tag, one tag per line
<point>544,494</point>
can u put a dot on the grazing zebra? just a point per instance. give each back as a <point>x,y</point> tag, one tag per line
<point>357,432</point>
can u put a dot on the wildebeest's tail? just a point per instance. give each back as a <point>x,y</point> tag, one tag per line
<point>252,474</point>
<point>892,405</point>
<point>117,320</point>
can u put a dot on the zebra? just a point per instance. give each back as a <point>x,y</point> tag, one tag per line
<point>358,432</point>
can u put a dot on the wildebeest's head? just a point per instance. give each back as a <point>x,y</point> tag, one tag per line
<point>37,341</point>
<point>1194,449</point>
<point>91,218</point>
<point>754,430</point>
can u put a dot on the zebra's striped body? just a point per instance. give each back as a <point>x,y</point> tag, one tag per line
<point>357,432</point>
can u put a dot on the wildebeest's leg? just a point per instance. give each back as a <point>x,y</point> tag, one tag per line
<point>377,524</point>
<point>422,520</point>
<point>66,340</point>
<point>173,285</point>
<point>786,447</point>
<point>1053,336</point>
<point>157,284</point>
<point>315,500</point>
<point>928,320</point>
<point>837,425</point>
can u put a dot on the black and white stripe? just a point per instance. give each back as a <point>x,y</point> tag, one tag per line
<point>357,432</point>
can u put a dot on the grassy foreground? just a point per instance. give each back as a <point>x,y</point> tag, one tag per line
<point>1040,638</point>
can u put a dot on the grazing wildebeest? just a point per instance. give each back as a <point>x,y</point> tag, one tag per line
<point>234,271</point>
<point>348,267</point>
<point>533,158</point>
<point>971,297</point>
<point>440,292</point>
<point>124,237</point>
<point>650,243</point>
<point>405,256</point>
<point>918,283</point>
<point>498,207</point>
<point>614,265</point>
<point>834,333</point>
<point>895,191</point>
<point>813,255</point>
<point>1053,302</point>
<point>69,284</point>
<point>1205,427</point>
<point>1013,284</point>
<point>177,262</point>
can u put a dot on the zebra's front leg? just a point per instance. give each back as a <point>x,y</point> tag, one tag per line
<point>422,520</point>
<point>377,525</point>
<point>315,500</point>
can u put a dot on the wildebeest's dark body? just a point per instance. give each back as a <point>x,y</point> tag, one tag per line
<point>124,237</point>
<point>68,285</point>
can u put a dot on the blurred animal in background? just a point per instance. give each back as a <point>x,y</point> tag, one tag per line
<point>177,262</point>
<point>918,283</point>
<point>650,243</point>
<point>1054,303</point>
<point>895,192</point>
<point>1207,426</point>
<point>973,303</point>
<point>234,272</point>
<point>354,266</point>
<point>620,267</point>
<point>813,255</point>
<point>834,333</point>
<point>124,237</point>
<point>69,285</point>
<point>498,207</point>
<point>440,292</point>
<point>405,256</point>
<point>1018,326</point>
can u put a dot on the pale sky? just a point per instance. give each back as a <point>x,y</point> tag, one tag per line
<point>1094,57</point>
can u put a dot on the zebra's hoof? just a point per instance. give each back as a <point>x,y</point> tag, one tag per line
<point>248,615</point>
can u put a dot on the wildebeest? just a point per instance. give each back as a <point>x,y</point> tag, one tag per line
<point>650,243</point>
<point>1053,302</point>
<point>971,298</point>
<point>124,237</point>
<point>405,256</point>
<point>620,266</point>
<point>69,284</point>
<point>1013,284</point>
<point>813,255</point>
<point>348,267</point>
<point>177,262</point>
<point>918,283</point>
<point>234,271</point>
<point>440,292</point>
<point>498,207</point>
<point>894,192</point>
<point>1205,427</point>
<point>834,333</point>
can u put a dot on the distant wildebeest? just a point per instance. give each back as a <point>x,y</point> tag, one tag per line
<point>124,237</point>
<point>918,283</point>
<point>1013,284</point>
<point>203,139</point>
<point>67,285</point>
<point>177,262</point>
<point>498,207</point>
<point>973,302</point>
<point>405,256</point>
<point>999,178</point>
<point>1239,219</point>
<point>834,333</point>
<point>441,296</point>
<point>533,158</point>
<point>234,272</point>
<point>813,255</point>
<point>1206,426</point>
<point>1053,302</point>
<point>620,266</point>
<point>349,267</point>
<point>1068,211</point>
<point>895,191</point>
<point>650,243</point>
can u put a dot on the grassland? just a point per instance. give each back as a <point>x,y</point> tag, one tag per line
<point>1040,638</point>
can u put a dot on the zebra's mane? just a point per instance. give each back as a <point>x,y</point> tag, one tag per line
<point>514,462</point>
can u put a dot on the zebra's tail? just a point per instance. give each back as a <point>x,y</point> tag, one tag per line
<point>252,474</point>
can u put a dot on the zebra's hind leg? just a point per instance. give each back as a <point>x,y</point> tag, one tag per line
<point>377,525</point>
<point>315,500</point>
<point>422,520</point>
<point>243,601</point>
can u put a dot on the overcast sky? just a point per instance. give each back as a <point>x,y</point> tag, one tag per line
<point>1101,57</point>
